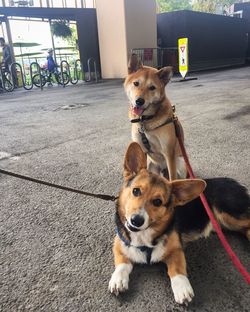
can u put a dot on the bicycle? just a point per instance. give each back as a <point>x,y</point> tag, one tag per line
<point>5,80</point>
<point>47,77</point>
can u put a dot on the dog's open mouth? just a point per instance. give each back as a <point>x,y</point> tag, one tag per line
<point>131,228</point>
<point>138,110</point>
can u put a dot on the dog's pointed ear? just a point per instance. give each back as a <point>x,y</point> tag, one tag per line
<point>134,64</point>
<point>186,190</point>
<point>165,74</point>
<point>135,160</point>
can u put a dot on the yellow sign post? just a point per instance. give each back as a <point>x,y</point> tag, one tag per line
<point>183,56</point>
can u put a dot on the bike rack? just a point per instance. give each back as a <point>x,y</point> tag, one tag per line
<point>67,69</point>
<point>91,59</point>
<point>13,67</point>
<point>76,72</point>
<point>2,78</point>
<point>38,69</point>
<point>35,68</point>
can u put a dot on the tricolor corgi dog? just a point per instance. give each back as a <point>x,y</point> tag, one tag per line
<point>155,218</point>
<point>152,118</point>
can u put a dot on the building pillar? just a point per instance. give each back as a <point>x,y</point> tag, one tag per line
<point>122,26</point>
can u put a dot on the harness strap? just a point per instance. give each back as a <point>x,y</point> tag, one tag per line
<point>122,238</point>
<point>141,130</point>
<point>146,249</point>
<point>145,142</point>
<point>169,120</point>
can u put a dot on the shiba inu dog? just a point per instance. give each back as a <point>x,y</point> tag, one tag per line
<point>152,118</point>
<point>155,218</point>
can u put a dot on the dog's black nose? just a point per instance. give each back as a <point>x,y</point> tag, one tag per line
<point>139,101</point>
<point>137,220</point>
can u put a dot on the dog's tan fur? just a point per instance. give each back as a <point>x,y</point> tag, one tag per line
<point>165,149</point>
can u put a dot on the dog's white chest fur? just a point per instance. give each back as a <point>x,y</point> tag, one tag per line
<point>144,238</point>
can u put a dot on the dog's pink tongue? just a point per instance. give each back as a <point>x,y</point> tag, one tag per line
<point>138,110</point>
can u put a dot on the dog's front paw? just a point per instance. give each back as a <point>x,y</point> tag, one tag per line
<point>182,289</point>
<point>120,278</point>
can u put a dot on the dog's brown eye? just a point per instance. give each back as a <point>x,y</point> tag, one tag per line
<point>136,83</point>
<point>136,192</point>
<point>151,88</point>
<point>157,202</point>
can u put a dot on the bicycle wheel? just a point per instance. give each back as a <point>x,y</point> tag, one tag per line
<point>37,82</point>
<point>7,85</point>
<point>65,78</point>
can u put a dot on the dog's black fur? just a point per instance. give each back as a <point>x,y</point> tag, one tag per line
<point>225,194</point>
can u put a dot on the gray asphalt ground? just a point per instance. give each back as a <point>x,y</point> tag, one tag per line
<point>56,247</point>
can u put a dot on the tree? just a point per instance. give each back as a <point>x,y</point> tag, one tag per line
<point>173,5</point>
<point>210,6</point>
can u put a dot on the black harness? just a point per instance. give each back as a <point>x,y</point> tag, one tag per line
<point>146,249</point>
<point>142,129</point>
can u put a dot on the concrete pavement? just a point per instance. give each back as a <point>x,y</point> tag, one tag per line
<point>56,247</point>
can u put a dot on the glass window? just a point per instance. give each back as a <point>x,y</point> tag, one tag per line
<point>56,3</point>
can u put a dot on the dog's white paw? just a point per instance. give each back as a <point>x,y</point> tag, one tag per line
<point>120,278</point>
<point>182,289</point>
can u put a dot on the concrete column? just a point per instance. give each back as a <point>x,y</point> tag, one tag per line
<point>122,26</point>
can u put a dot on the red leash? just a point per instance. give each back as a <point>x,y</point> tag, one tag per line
<point>216,226</point>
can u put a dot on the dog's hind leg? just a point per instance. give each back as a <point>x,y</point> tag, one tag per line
<point>240,224</point>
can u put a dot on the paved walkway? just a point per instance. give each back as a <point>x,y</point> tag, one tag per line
<point>56,247</point>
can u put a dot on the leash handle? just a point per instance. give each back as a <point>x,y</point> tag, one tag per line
<point>215,224</point>
<point>61,187</point>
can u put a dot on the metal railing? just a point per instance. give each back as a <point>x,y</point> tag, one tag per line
<point>91,59</point>
<point>158,57</point>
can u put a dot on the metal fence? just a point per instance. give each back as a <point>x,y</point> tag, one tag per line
<point>158,57</point>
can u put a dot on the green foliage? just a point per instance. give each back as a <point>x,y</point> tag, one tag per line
<point>61,29</point>
<point>210,6</point>
<point>174,5</point>
<point>73,38</point>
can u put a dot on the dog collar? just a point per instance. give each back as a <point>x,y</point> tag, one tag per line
<point>146,249</point>
<point>142,118</point>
